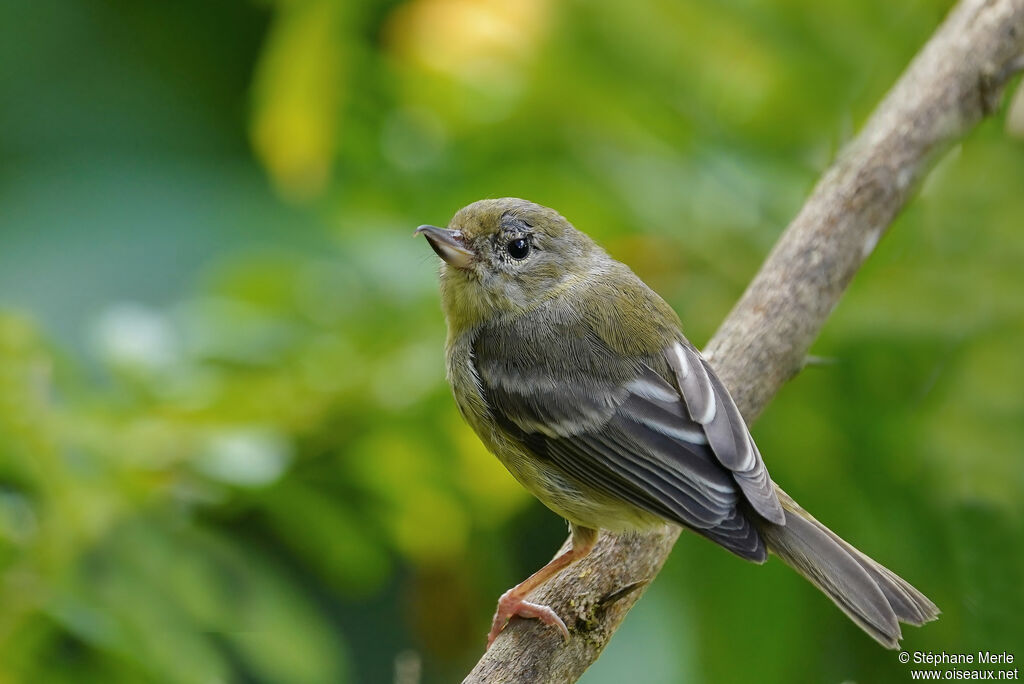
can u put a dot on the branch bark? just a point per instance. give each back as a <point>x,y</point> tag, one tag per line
<point>954,82</point>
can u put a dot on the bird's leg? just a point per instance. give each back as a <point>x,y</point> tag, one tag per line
<point>513,602</point>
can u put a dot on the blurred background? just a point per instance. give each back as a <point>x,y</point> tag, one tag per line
<point>227,449</point>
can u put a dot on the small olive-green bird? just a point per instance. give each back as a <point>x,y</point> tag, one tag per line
<point>576,375</point>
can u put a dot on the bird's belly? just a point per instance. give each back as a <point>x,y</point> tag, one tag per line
<point>572,499</point>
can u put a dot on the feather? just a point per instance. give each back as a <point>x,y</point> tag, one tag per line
<point>694,382</point>
<point>726,431</point>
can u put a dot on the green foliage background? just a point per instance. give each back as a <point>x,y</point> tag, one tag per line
<point>227,450</point>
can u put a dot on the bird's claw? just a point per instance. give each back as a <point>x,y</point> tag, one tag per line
<point>510,606</point>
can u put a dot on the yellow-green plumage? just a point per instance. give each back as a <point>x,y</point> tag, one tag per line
<point>578,377</point>
<point>599,299</point>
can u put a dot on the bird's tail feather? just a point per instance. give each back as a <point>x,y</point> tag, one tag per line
<point>873,596</point>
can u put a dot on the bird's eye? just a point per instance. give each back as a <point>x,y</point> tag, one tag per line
<point>518,248</point>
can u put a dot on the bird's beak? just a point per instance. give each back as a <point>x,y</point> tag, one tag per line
<point>448,244</point>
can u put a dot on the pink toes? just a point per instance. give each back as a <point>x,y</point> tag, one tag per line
<point>510,606</point>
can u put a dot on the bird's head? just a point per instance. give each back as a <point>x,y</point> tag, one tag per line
<point>503,256</point>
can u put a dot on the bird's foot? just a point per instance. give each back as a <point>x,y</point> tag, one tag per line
<point>511,605</point>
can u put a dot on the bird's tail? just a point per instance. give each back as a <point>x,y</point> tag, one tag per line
<point>874,597</point>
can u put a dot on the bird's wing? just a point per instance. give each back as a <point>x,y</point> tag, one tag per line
<point>710,405</point>
<point>677,449</point>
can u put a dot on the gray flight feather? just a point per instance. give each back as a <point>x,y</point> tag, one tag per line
<point>726,431</point>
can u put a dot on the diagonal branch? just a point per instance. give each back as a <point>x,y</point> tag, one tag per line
<point>952,84</point>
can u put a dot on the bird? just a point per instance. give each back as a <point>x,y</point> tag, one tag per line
<point>578,377</point>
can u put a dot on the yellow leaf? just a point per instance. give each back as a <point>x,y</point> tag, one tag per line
<point>296,96</point>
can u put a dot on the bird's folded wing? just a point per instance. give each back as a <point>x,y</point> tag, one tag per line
<point>709,404</point>
<point>682,453</point>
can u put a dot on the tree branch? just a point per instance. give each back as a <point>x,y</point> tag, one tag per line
<point>953,83</point>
